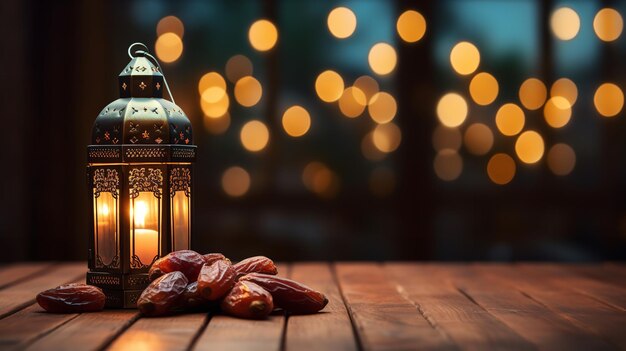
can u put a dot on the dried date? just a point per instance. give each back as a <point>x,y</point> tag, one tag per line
<point>256,264</point>
<point>288,294</point>
<point>248,300</point>
<point>72,298</point>
<point>163,295</point>
<point>216,280</point>
<point>210,258</point>
<point>187,262</point>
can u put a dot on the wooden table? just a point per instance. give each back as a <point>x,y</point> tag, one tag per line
<point>373,306</point>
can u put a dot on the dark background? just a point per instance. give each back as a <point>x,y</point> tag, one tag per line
<point>59,67</point>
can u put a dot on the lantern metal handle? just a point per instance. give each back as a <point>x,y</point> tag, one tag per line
<point>153,59</point>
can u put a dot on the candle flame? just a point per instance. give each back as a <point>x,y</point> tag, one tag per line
<point>141,210</point>
<point>104,210</point>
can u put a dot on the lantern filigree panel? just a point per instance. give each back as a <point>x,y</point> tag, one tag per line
<point>146,208</point>
<point>180,207</point>
<point>106,204</point>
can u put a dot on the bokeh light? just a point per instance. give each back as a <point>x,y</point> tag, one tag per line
<point>452,110</point>
<point>248,91</point>
<point>448,165</point>
<point>236,181</point>
<point>168,47</point>
<point>369,150</point>
<point>341,22</point>
<point>170,24</point>
<point>329,86</point>
<point>263,35</point>
<point>382,181</point>
<point>238,67</point>
<point>565,23</point>
<point>411,26</point>
<point>501,169</point>
<point>483,88</point>
<point>382,58</point>
<point>368,85</point>
<point>382,107</point>
<point>608,99</point>
<point>529,147</point>
<point>296,121</point>
<point>352,102</point>
<point>218,125</point>
<point>564,87</point>
<point>320,179</point>
<point>561,159</point>
<point>533,93</point>
<point>447,138</point>
<point>214,109</point>
<point>557,112</point>
<point>387,137</point>
<point>608,24</point>
<point>211,79</point>
<point>254,136</point>
<point>465,58</point>
<point>510,119</point>
<point>478,139</point>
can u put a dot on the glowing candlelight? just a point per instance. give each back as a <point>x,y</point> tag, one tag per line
<point>146,241</point>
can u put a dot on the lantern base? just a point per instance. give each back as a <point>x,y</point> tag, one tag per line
<point>121,298</point>
<point>121,290</point>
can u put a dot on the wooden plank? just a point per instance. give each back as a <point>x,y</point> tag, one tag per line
<point>229,333</point>
<point>162,333</point>
<point>384,319</point>
<point>470,326</point>
<point>23,294</point>
<point>330,329</point>
<point>583,311</point>
<point>15,273</point>
<point>88,331</point>
<point>610,274</point>
<point>533,321</point>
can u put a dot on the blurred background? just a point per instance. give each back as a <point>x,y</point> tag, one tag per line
<point>343,130</point>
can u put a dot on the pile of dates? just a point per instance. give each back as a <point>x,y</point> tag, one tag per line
<point>188,281</point>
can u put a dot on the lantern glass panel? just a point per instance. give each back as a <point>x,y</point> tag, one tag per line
<point>181,220</point>
<point>145,214</point>
<point>106,229</point>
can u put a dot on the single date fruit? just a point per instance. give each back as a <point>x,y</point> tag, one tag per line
<point>248,300</point>
<point>187,262</point>
<point>72,298</point>
<point>289,295</point>
<point>193,301</point>
<point>216,280</point>
<point>210,258</point>
<point>256,264</point>
<point>163,295</point>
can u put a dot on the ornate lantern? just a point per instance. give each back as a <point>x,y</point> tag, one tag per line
<point>140,182</point>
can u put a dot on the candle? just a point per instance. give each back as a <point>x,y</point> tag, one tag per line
<point>146,245</point>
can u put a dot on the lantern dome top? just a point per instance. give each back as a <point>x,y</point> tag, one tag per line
<point>141,115</point>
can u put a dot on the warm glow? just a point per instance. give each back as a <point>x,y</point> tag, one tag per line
<point>557,112</point>
<point>368,85</point>
<point>382,58</point>
<point>510,119</point>
<point>211,79</point>
<point>561,159</point>
<point>608,24</point>
<point>170,24</point>
<point>236,181</point>
<point>369,150</point>
<point>483,88</point>
<point>320,179</point>
<point>168,47</point>
<point>452,110</point>
<point>296,121</point>
<point>254,136</point>
<point>565,23</point>
<point>501,169</point>
<point>213,95</point>
<point>565,88</point>
<point>352,102</point>
<point>529,147</point>
<point>238,67</point>
<point>411,26</point>
<point>104,210</point>
<point>217,125</point>
<point>140,212</point>
<point>533,93</point>
<point>248,91</point>
<point>329,86</point>
<point>341,22</point>
<point>465,58</point>
<point>263,35</point>
<point>214,109</point>
<point>382,107</point>
<point>478,139</point>
<point>387,137</point>
<point>382,181</point>
<point>446,138</point>
<point>448,165</point>
<point>608,99</point>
